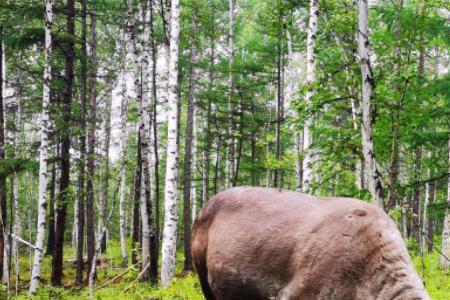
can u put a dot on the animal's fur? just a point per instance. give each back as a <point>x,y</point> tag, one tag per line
<point>261,244</point>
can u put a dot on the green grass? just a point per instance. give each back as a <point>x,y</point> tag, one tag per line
<point>184,287</point>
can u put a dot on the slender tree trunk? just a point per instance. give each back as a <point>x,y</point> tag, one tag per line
<point>417,169</point>
<point>155,153</point>
<point>16,230</point>
<point>229,167</point>
<point>195,167</point>
<point>82,163</point>
<point>426,222</point>
<point>445,263</point>
<point>2,158</point>
<point>106,173</point>
<point>169,242</point>
<point>63,197</point>
<point>217,164</point>
<point>279,111</point>
<point>394,163</point>
<point>148,232</point>
<point>43,151</point>
<point>90,164</point>
<point>136,202</point>
<point>310,78</point>
<point>415,230</point>
<point>188,149</point>
<point>51,214</point>
<point>290,89</point>
<point>374,180</point>
<point>206,122</point>
<point>123,165</point>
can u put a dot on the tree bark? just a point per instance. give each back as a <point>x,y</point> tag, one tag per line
<point>51,214</point>
<point>426,222</point>
<point>374,180</point>
<point>2,158</point>
<point>310,78</point>
<point>82,163</point>
<point>123,165</point>
<point>156,197</point>
<point>136,202</point>
<point>229,167</point>
<point>171,182</point>
<point>188,150</point>
<point>90,164</point>
<point>279,110</point>
<point>106,173</point>
<point>43,152</point>
<point>63,197</point>
<point>445,263</point>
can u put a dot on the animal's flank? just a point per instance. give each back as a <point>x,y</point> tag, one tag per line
<point>255,243</point>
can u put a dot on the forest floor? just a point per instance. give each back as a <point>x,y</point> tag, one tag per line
<point>184,287</point>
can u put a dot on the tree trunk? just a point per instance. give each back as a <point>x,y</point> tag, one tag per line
<point>374,180</point>
<point>195,167</point>
<point>169,242</point>
<point>2,158</point>
<point>51,214</point>
<point>63,197</point>
<point>106,175</point>
<point>415,230</point>
<point>229,167</point>
<point>429,196</point>
<point>136,202</point>
<point>43,152</point>
<point>310,78</point>
<point>82,163</point>
<point>91,156</point>
<point>148,232</point>
<point>155,153</point>
<point>445,256</point>
<point>123,165</point>
<point>279,112</point>
<point>188,150</point>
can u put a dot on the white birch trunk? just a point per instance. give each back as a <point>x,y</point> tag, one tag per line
<point>194,167</point>
<point>169,241</point>
<point>426,202</point>
<point>310,78</point>
<point>6,245</point>
<point>17,220</point>
<point>75,228</point>
<point>229,166</point>
<point>445,256</point>
<point>44,127</point>
<point>205,170</point>
<point>373,176</point>
<point>123,164</point>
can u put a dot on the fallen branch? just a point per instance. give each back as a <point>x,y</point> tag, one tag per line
<point>137,278</point>
<point>117,277</point>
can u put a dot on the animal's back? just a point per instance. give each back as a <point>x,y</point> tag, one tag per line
<point>256,243</point>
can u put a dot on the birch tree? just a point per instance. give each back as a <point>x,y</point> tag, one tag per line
<point>2,158</point>
<point>229,167</point>
<point>82,162</point>
<point>43,151</point>
<point>188,149</point>
<point>123,164</point>
<point>445,255</point>
<point>169,241</point>
<point>373,176</point>
<point>90,164</point>
<point>310,78</point>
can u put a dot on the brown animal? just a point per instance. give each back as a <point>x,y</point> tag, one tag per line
<point>261,244</point>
